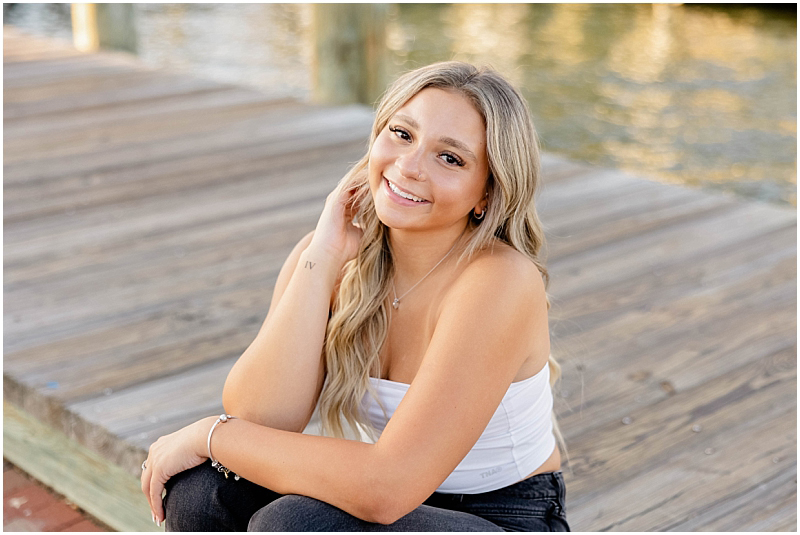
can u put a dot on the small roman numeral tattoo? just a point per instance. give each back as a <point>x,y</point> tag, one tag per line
<point>310,265</point>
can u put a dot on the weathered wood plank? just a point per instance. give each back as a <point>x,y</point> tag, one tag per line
<point>234,303</point>
<point>677,346</point>
<point>124,253</point>
<point>210,247</point>
<point>263,128</point>
<point>101,488</point>
<point>76,195</point>
<point>148,89</point>
<point>696,273</point>
<point>152,217</point>
<point>22,52</point>
<point>588,211</point>
<point>82,310</point>
<point>18,46</point>
<point>66,123</point>
<point>760,508</point>
<point>76,86</point>
<point>164,128</point>
<point>102,68</point>
<point>48,70</point>
<point>133,412</point>
<point>654,472</point>
<point>289,140</point>
<point>612,260</point>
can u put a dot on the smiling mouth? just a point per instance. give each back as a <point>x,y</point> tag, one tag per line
<point>405,195</point>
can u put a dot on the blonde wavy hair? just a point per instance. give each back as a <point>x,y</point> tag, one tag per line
<point>359,320</point>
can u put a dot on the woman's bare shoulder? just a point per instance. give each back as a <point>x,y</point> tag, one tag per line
<point>500,271</point>
<point>500,263</point>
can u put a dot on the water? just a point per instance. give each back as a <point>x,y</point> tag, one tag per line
<point>699,95</point>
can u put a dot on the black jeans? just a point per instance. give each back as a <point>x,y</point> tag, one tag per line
<point>202,499</point>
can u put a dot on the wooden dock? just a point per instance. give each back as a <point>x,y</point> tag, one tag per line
<point>146,216</point>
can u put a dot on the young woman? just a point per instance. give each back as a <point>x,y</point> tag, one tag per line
<point>416,312</point>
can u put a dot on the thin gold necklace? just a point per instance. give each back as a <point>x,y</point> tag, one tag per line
<point>396,302</point>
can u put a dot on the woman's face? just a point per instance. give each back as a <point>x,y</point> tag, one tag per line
<point>434,151</point>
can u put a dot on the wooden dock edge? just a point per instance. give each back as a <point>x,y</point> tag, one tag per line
<point>52,412</point>
<point>102,489</point>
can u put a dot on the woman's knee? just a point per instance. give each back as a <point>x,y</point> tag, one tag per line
<point>192,499</point>
<point>301,513</point>
<point>203,499</point>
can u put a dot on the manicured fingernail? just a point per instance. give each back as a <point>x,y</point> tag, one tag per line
<point>154,517</point>
<point>158,523</point>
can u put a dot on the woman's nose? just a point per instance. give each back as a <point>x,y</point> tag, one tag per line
<point>410,164</point>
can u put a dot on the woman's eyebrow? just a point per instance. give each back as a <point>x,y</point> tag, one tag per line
<point>458,145</point>
<point>444,139</point>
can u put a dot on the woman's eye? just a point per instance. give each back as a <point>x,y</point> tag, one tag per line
<point>450,159</point>
<point>400,133</point>
<point>453,160</point>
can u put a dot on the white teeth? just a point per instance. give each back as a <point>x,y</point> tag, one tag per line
<point>403,194</point>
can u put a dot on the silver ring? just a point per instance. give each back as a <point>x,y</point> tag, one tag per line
<point>143,464</point>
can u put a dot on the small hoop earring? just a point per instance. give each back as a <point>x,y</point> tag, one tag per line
<point>479,217</point>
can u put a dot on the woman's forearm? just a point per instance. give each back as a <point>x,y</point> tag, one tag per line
<point>347,474</point>
<point>277,379</point>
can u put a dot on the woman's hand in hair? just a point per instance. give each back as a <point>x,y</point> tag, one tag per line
<point>336,236</point>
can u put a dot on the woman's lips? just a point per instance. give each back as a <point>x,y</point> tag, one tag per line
<point>397,198</point>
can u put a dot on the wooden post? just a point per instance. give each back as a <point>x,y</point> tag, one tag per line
<point>110,26</point>
<point>84,27</point>
<point>349,53</point>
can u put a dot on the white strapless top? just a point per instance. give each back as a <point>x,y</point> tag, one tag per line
<point>517,440</point>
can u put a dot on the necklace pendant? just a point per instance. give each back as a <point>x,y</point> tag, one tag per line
<point>396,303</point>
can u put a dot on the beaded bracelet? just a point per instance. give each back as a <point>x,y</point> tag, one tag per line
<point>216,464</point>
